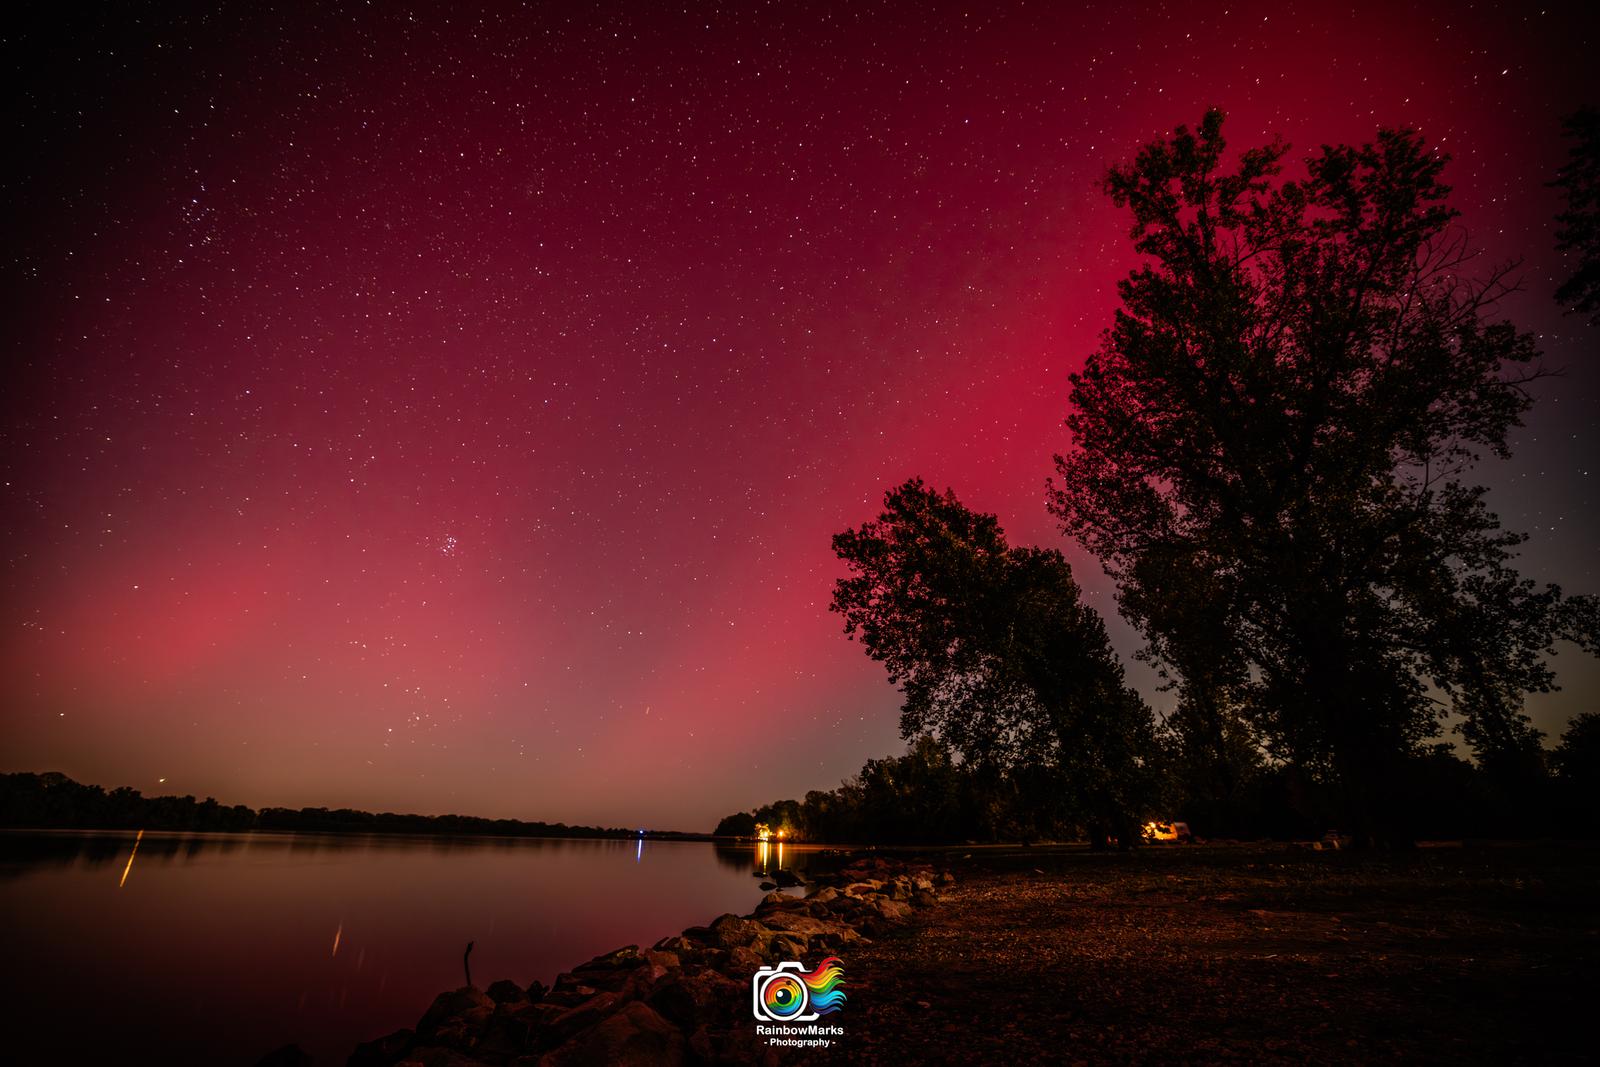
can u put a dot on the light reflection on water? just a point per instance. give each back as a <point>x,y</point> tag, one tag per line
<point>219,947</point>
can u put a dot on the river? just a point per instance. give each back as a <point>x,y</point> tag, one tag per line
<point>218,948</point>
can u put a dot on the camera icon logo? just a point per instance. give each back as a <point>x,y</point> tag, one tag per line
<point>788,993</point>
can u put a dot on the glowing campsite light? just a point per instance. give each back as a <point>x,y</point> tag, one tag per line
<point>1165,831</point>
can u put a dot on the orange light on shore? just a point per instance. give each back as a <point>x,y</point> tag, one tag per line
<point>137,838</point>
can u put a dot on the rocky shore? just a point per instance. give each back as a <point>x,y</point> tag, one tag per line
<point>684,1000</point>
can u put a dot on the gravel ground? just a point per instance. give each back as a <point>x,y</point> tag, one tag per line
<point>1198,954</point>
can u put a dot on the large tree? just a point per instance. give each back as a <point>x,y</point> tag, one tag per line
<point>997,654</point>
<point>1578,225</point>
<point>1269,454</point>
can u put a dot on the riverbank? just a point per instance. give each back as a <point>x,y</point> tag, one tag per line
<point>1478,954</point>
<point>686,999</point>
<point>1240,955</point>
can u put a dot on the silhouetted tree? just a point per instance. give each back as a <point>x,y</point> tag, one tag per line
<point>1578,227</point>
<point>1269,449</point>
<point>1576,762</point>
<point>739,824</point>
<point>996,653</point>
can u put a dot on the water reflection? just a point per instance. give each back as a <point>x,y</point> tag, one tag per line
<point>131,856</point>
<point>244,942</point>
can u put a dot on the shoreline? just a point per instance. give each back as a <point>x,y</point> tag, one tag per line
<point>686,999</point>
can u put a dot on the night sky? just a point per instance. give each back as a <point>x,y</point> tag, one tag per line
<point>448,409</point>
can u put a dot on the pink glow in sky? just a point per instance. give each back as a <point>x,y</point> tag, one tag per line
<point>448,410</point>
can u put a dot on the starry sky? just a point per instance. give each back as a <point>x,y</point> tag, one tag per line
<point>447,408</point>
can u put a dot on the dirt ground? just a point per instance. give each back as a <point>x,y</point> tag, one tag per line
<point>1200,954</point>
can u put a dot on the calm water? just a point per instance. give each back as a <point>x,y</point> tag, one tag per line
<point>217,948</point>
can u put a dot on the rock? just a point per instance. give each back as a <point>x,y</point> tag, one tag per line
<point>617,959</point>
<point>788,879</point>
<point>744,961</point>
<point>667,961</point>
<point>692,999</point>
<point>513,1028</point>
<point>505,991</point>
<point>454,1014</point>
<point>583,1016</point>
<point>381,1052</point>
<point>772,898</point>
<point>769,886</point>
<point>730,931</point>
<point>891,910</point>
<point>923,899</point>
<point>805,927</point>
<point>863,889</point>
<point>699,935</point>
<point>287,1056</point>
<point>569,996</point>
<point>634,1037</point>
<point>536,991</point>
<point>825,895</point>
<point>947,878</point>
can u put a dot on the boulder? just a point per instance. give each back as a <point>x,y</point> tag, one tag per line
<point>505,991</point>
<point>773,898</point>
<point>891,910</point>
<point>582,1017</point>
<point>690,1000</point>
<point>617,959</point>
<point>744,961</point>
<point>634,1037</point>
<point>805,927</point>
<point>458,1012</point>
<point>513,1029</point>
<point>788,879</point>
<point>667,961</point>
<point>730,931</point>
<point>536,991</point>
<point>825,895</point>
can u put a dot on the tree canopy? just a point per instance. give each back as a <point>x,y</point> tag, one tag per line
<point>1270,451</point>
<point>1578,225</point>
<point>996,653</point>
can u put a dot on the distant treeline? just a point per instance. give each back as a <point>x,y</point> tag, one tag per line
<point>54,801</point>
<point>928,796</point>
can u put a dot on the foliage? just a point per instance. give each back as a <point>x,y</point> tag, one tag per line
<point>1578,226</point>
<point>996,653</point>
<point>1576,762</point>
<point>927,796</point>
<point>1269,451</point>
<point>54,801</point>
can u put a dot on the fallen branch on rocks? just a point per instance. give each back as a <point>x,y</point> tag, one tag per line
<point>685,1000</point>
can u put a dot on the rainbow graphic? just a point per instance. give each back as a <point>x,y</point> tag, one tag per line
<point>823,985</point>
